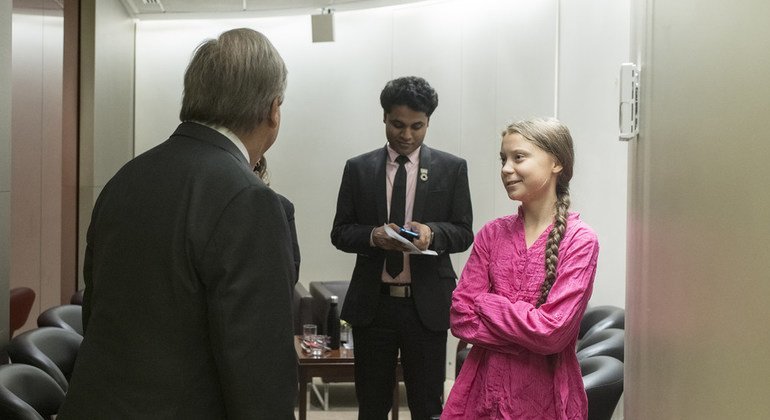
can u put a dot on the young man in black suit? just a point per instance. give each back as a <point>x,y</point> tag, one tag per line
<point>399,302</point>
<point>188,267</point>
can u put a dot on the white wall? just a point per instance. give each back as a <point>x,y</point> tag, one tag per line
<point>594,41</point>
<point>492,62</point>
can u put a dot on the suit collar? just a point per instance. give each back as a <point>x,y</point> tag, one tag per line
<point>209,135</point>
<point>392,154</point>
<point>230,136</point>
<point>381,193</point>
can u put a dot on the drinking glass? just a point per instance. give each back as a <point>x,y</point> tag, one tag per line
<point>308,331</point>
<point>317,345</point>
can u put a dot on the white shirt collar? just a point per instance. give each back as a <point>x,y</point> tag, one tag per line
<point>231,136</point>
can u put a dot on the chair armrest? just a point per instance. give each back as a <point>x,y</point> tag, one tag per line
<point>463,349</point>
<point>302,308</point>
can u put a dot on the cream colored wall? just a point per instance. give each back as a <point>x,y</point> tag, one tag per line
<point>698,341</point>
<point>5,164</point>
<point>37,38</point>
<point>107,101</point>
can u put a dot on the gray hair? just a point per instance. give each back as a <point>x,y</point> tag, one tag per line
<point>233,80</point>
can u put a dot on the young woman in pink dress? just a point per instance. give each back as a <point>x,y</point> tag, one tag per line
<point>524,288</point>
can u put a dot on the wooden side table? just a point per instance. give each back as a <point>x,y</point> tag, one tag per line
<point>334,365</point>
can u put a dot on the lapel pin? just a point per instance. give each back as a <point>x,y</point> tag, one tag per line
<point>423,174</point>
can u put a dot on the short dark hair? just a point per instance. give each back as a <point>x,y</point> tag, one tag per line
<point>233,80</point>
<point>412,91</point>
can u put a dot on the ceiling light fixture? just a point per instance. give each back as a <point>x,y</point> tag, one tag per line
<point>323,26</point>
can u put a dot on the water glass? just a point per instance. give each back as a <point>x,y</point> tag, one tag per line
<point>308,331</point>
<point>317,345</point>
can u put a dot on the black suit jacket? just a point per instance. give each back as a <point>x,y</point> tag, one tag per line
<point>442,202</point>
<point>189,275</point>
<point>288,209</point>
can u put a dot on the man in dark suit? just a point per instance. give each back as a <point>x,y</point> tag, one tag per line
<point>188,269</point>
<point>399,302</point>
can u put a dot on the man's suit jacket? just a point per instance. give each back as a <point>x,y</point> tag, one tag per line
<point>189,275</point>
<point>442,201</point>
<point>288,209</point>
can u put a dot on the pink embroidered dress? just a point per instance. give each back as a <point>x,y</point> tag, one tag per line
<point>522,364</point>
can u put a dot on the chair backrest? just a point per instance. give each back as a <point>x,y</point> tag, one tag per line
<point>594,314</point>
<point>603,381</point>
<point>20,304</point>
<point>68,317</point>
<point>27,393</point>
<point>615,319</point>
<point>321,292</point>
<point>606,342</point>
<point>52,350</point>
<point>77,297</point>
<point>302,308</point>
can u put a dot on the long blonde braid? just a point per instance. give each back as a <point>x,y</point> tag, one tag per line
<point>552,245</point>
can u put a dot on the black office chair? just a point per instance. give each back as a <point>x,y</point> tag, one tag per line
<point>68,317</point>
<point>606,342</point>
<point>52,350</point>
<point>595,314</point>
<point>28,393</point>
<point>614,319</point>
<point>603,381</point>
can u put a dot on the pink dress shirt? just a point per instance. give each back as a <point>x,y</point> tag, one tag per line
<point>522,364</point>
<point>411,186</point>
